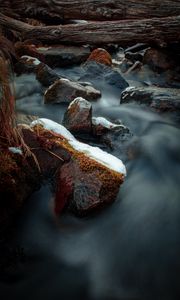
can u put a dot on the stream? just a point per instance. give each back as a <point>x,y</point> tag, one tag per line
<point>130,250</point>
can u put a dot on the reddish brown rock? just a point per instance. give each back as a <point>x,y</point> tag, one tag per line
<point>78,116</point>
<point>101,56</point>
<point>64,90</point>
<point>158,60</point>
<point>84,187</point>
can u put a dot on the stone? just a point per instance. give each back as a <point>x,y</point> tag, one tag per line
<point>83,187</point>
<point>45,75</point>
<point>158,60</point>
<point>94,71</point>
<point>63,56</point>
<point>26,64</point>
<point>64,90</point>
<point>101,56</point>
<point>78,116</point>
<point>27,49</point>
<point>134,56</point>
<point>160,99</point>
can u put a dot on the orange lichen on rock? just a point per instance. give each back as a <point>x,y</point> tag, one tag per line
<point>101,56</point>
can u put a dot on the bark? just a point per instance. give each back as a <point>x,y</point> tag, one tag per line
<point>90,9</point>
<point>155,30</point>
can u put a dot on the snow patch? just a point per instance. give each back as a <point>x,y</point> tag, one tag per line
<point>83,103</point>
<point>35,62</point>
<point>15,150</point>
<point>104,122</point>
<point>104,158</point>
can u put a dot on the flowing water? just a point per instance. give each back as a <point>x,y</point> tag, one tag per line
<point>131,250</point>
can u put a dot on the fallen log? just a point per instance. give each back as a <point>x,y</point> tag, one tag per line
<point>155,30</point>
<point>90,9</point>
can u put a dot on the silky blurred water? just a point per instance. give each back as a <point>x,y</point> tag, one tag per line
<point>128,251</point>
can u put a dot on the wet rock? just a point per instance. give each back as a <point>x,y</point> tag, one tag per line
<point>62,56</point>
<point>78,116</point>
<point>26,64</point>
<point>90,179</point>
<point>161,99</point>
<point>158,60</point>
<point>45,75</point>
<point>64,90</point>
<point>84,188</point>
<point>101,56</point>
<point>94,71</point>
<point>136,67</point>
<point>109,132</point>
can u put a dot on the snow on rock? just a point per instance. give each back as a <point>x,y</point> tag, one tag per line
<point>105,123</point>
<point>34,60</point>
<point>15,150</point>
<point>94,153</point>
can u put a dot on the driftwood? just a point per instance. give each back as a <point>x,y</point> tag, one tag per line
<point>90,9</point>
<point>155,30</point>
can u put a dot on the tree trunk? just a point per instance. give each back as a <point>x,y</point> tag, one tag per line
<point>90,9</point>
<point>155,30</point>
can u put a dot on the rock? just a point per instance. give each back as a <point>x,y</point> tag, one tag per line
<point>101,56</point>
<point>90,179</point>
<point>62,56</point>
<point>26,64</point>
<point>94,71</point>
<point>45,75</point>
<point>158,60</point>
<point>49,155</point>
<point>64,90</point>
<point>78,116</point>
<point>136,67</point>
<point>83,187</point>
<point>160,99</point>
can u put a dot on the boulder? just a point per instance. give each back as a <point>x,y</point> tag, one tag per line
<point>94,71</point>
<point>158,60</point>
<point>160,99</point>
<point>90,179</point>
<point>26,64</point>
<point>45,75</point>
<point>64,90</point>
<point>78,116</point>
<point>63,56</point>
<point>101,56</point>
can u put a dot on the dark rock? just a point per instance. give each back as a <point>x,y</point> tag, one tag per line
<point>160,99</point>
<point>78,116</point>
<point>26,64</point>
<point>62,56</point>
<point>45,75</point>
<point>94,71</point>
<point>158,60</point>
<point>64,90</point>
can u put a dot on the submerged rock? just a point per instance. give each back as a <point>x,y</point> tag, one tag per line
<point>161,99</point>
<point>64,90</point>
<point>90,179</point>
<point>78,116</point>
<point>101,56</point>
